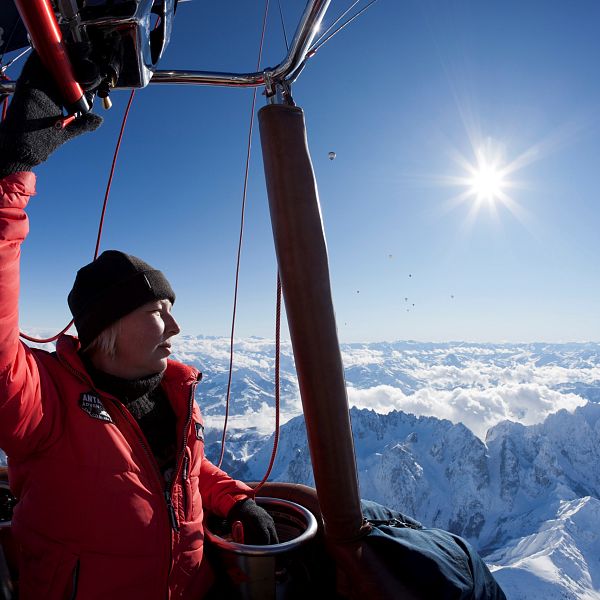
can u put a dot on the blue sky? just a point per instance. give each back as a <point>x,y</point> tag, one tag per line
<point>398,95</point>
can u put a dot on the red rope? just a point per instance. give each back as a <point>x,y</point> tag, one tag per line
<point>112,172</point>
<point>239,252</point>
<point>100,225</point>
<point>45,340</point>
<point>277,386</point>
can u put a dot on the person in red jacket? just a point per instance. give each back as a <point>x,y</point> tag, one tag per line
<point>104,439</point>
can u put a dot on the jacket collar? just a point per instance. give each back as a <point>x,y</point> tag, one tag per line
<point>176,375</point>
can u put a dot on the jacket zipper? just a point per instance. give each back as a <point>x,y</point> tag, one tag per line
<point>186,464</point>
<point>184,478</point>
<point>75,581</point>
<point>171,509</point>
<point>182,456</point>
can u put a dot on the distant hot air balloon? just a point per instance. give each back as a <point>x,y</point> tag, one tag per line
<point>331,155</point>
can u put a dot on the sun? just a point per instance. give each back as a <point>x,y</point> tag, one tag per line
<point>487,180</point>
<point>486,184</point>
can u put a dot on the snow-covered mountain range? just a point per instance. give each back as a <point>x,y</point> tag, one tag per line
<point>499,443</point>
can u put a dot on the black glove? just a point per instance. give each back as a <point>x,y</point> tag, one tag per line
<point>28,134</point>
<point>259,527</point>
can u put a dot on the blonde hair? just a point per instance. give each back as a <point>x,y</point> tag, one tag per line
<point>106,341</point>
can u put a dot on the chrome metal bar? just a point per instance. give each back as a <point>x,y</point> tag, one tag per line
<point>305,34</point>
<point>209,78</point>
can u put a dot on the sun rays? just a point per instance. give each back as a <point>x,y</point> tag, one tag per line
<point>486,183</point>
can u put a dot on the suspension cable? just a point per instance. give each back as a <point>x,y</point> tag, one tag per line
<point>100,225</point>
<point>3,68</point>
<point>317,45</point>
<point>239,251</point>
<point>336,22</point>
<point>277,385</point>
<point>287,47</point>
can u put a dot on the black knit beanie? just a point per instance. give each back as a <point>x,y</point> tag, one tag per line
<point>111,287</point>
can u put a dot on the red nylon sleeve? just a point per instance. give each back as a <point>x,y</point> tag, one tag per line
<point>219,491</point>
<point>20,395</point>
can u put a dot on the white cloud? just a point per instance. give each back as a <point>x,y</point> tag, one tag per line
<point>478,409</point>
<point>362,356</point>
<point>476,385</point>
<point>481,374</point>
<point>248,353</point>
<point>262,419</point>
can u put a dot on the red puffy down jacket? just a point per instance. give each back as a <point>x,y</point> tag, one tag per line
<point>94,519</point>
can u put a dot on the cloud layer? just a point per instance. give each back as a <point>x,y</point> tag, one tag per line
<point>478,385</point>
<point>478,409</point>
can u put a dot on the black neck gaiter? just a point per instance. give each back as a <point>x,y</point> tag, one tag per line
<point>148,404</point>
